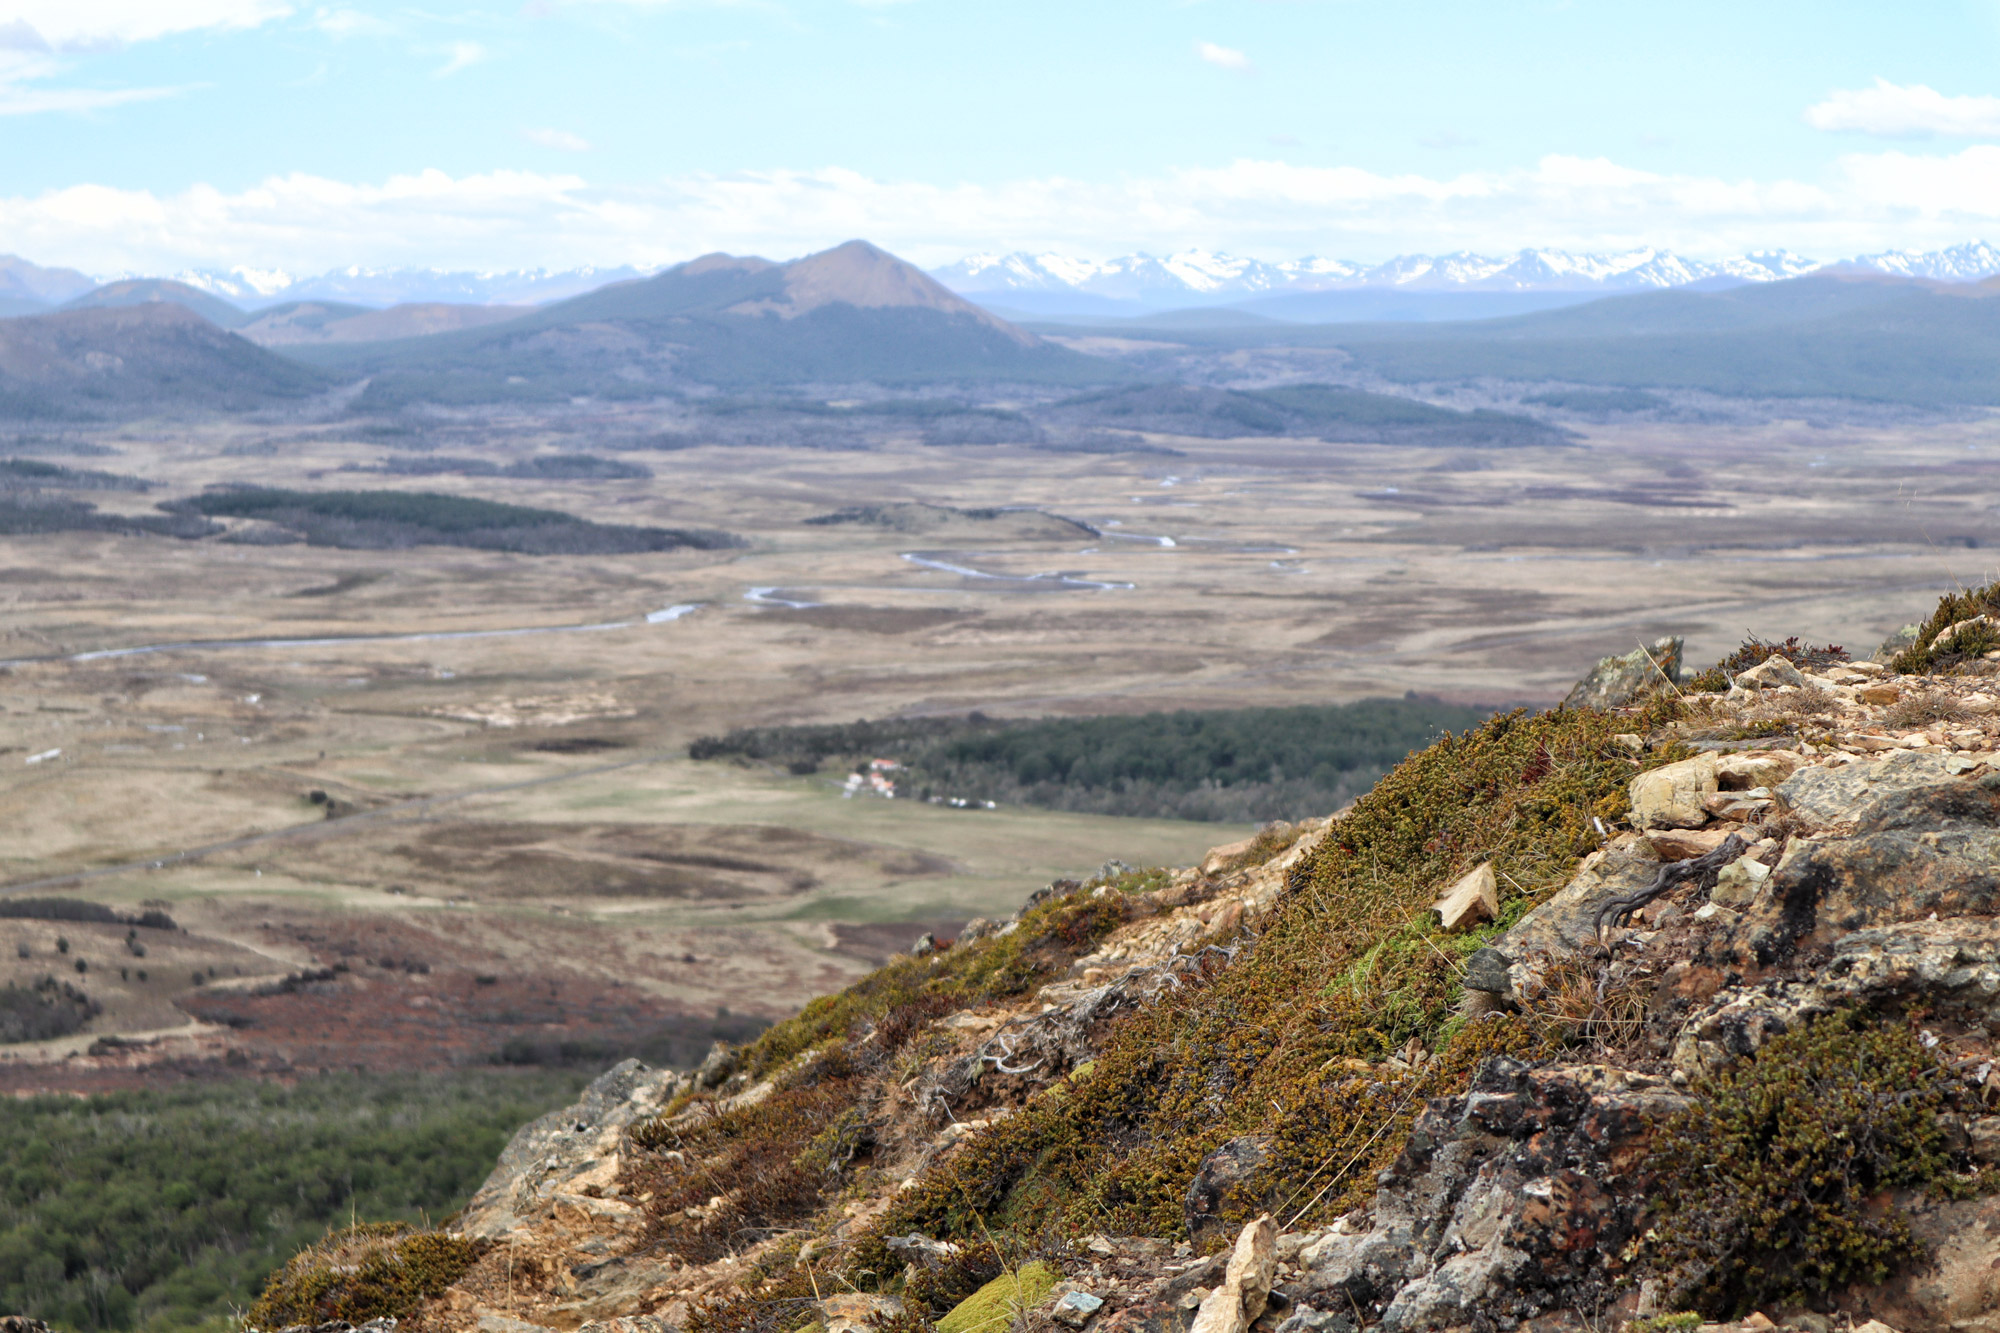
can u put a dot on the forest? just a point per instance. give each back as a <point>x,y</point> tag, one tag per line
<point>165,1210</point>
<point>1231,764</point>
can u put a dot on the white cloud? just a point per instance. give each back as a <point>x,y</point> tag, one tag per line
<point>1898,112</point>
<point>558,139</point>
<point>1227,57</point>
<point>86,24</point>
<point>458,56</point>
<point>351,23</point>
<point>518,219</point>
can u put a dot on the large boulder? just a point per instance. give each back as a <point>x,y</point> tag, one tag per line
<point>1504,1204</point>
<point>1673,795</point>
<point>1617,681</point>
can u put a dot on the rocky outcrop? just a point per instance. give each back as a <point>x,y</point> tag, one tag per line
<point>1617,681</point>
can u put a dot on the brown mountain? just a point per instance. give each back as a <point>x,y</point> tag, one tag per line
<point>121,360</point>
<point>848,315</point>
<point>337,322</point>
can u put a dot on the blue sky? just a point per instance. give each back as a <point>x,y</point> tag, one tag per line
<point>152,134</point>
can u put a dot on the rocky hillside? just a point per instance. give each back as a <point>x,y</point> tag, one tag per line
<point>1671,1008</point>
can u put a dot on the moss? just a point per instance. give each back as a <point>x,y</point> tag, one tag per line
<point>1792,1147</point>
<point>1686,1322</point>
<point>995,1306</point>
<point>1923,659</point>
<point>363,1273</point>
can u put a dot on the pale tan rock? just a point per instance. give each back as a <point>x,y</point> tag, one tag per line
<point>1771,672</point>
<point>852,1312</point>
<point>1246,1284</point>
<point>1739,883</point>
<point>1475,898</point>
<point>1673,844</point>
<point>1946,636</point>
<point>1670,797</point>
<point>1756,768</point>
<point>1218,858</point>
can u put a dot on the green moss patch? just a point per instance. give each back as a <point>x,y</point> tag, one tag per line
<point>995,1306</point>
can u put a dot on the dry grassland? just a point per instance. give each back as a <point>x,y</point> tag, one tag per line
<point>517,806</point>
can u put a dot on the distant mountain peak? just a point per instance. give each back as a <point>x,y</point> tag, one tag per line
<point>863,275</point>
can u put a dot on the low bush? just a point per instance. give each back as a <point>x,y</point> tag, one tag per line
<point>1934,653</point>
<point>1768,1180</point>
<point>382,1269</point>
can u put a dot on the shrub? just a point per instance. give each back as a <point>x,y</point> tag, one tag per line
<point>1928,657</point>
<point>1755,651</point>
<point>1787,1149</point>
<point>363,1273</point>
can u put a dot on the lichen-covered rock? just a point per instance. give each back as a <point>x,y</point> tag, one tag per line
<point>1225,1184</point>
<point>1950,969</point>
<point>1958,1291</point>
<point>1568,920</point>
<point>1502,1204</point>
<point>1617,681</point>
<point>566,1151</point>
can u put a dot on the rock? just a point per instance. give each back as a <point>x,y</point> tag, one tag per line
<point>1076,1308</point>
<point>716,1066</point>
<point>852,1312</point>
<point>977,929</point>
<point>1896,644</point>
<point>926,943</point>
<point>1221,858</point>
<point>1748,769</point>
<point>1824,796</point>
<point>566,1151</point>
<point>1949,968</point>
<point>1906,841</point>
<point>1246,1282</point>
<point>1984,1133</point>
<point>1950,634</point>
<point>1225,1182</point>
<point>1474,898</point>
<point>1671,796</point>
<point>1499,1206</point>
<point>1878,694</point>
<point>1772,672</point>
<point>1487,970</point>
<point>1959,1290</point>
<point>1758,1322</point>
<point>1740,882</point>
<point>1683,844</point>
<point>1617,681</point>
<point>1568,921</point>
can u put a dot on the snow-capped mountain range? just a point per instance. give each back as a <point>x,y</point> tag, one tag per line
<point>252,288</point>
<point>1129,284</point>
<point>1192,277</point>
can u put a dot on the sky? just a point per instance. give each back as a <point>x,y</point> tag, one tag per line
<point>158,135</point>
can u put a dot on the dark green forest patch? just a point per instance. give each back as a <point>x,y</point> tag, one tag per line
<point>393,520</point>
<point>1219,764</point>
<point>168,1210</point>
